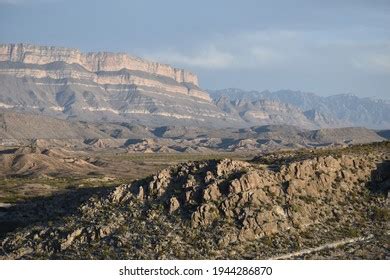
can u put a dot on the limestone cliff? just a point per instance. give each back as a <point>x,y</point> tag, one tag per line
<point>102,86</point>
<point>100,61</point>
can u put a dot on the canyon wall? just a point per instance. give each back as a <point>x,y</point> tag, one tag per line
<point>100,61</point>
<point>66,83</point>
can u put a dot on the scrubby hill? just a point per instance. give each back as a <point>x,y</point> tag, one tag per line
<point>33,161</point>
<point>228,209</point>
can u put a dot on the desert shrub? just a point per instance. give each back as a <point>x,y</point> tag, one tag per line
<point>380,214</point>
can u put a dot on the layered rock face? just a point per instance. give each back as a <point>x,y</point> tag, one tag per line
<point>93,62</point>
<point>101,86</point>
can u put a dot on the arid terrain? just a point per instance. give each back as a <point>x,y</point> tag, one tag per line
<point>322,203</point>
<point>111,156</point>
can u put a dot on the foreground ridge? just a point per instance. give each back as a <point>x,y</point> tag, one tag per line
<point>229,209</point>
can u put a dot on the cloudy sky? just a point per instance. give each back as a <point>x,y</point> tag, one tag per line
<point>327,47</point>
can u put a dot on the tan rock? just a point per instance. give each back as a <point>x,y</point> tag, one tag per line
<point>70,238</point>
<point>204,215</point>
<point>211,192</point>
<point>174,204</point>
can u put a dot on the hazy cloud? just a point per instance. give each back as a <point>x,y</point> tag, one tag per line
<point>266,56</point>
<point>322,46</point>
<point>284,49</point>
<point>373,59</point>
<point>21,2</point>
<point>209,57</point>
<point>243,50</point>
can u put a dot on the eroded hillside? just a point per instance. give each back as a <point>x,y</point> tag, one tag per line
<point>227,209</point>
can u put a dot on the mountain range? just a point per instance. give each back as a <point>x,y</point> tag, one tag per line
<point>115,87</point>
<point>332,111</point>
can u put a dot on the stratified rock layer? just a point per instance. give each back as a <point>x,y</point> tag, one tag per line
<point>102,86</point>
<point>93,62</point>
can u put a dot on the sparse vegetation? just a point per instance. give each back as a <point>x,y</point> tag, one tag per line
<point>381,214</point>
<point>206,209</point>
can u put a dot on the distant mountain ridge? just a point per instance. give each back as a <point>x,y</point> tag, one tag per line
<point>331,111</point>
<point>108,87</point>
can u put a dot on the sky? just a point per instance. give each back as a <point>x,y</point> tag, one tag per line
<point>326,47</point>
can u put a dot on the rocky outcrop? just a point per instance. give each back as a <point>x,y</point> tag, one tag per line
<point>223,207</point>
<point>258,201</point>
